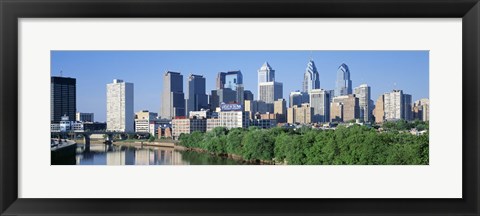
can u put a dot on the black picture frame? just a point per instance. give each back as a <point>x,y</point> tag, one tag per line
<point>12,10</point>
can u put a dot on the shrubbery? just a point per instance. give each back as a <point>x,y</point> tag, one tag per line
<point>353,145</point>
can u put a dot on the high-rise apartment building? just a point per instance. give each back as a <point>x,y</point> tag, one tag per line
<point>343,85</point>
<point>120,106</point>
<point>311,78</point>
<point>320,102</point>
<point>63,98</point>
<point>363,93</point>
<point>173,99</point>
<point>398,105</point>
<point>196,98</point>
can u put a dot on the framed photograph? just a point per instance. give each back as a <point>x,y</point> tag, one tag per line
<point>239,107</point>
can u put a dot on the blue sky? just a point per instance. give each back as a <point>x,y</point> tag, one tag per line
<point>382,70</point>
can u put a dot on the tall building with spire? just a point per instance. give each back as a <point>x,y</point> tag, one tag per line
<point>311,79</point>
<point>343,86</point>
<point>266,73</point>
<point>268,90</point>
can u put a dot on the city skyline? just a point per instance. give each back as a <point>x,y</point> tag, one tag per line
<point>381,70</point>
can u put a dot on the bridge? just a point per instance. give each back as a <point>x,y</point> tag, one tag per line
<point>86,135</point>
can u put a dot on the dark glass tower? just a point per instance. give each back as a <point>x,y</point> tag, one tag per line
<point>63,98</point>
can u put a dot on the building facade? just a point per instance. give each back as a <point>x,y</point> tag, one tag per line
<point>143,119</point>
<point>344,108</point>
<point>270,91</point>
<point>343,86</point>
<point>247,95</point>
<point>300,114</point>
<point>379,111</point>
<point>363,93</point>
<point>187,126</point>
<point>320,102</point>
<point>173,98</point>
<point>421,109</point>
<point>394,105</point>
<point>120,116</point>
<point>63,98</point>
<point>85,117</point>
<point>298,98</point>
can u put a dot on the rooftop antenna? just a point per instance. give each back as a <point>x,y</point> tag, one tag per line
<point>311,55</point>
<point>61,73</point>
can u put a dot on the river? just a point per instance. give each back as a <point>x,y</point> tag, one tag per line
<point>128,155</point>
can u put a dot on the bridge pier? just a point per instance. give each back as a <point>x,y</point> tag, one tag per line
<point>86,139</point>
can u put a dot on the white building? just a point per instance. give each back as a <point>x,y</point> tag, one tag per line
<point>143,119</point>
<point>120,106</point>
<point>363,93</point>
<point>393,105</point>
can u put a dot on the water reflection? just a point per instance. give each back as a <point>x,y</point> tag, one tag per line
<point>124,155</point>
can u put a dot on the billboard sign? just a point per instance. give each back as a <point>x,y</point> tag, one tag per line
<point>230,107</point>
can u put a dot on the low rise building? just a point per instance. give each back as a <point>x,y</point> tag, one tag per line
<point>187,126</point>
<point>263,123</point>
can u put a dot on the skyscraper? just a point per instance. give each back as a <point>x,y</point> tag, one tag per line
<point>363,93</point>
<point>196,98</point>
<point>343,85</point>
<point>320,102</point>
<point>173,99</point>
<point>270,91</point>
<point>234,81</point>
<point>311,79</point>
<point>266,73</point>
<point>63,98</point>
<point>120,106</point>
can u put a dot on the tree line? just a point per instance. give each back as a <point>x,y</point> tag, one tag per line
<point>354,145</point>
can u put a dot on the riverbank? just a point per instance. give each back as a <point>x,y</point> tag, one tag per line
<point>231,156</point>
<point>146,143</point>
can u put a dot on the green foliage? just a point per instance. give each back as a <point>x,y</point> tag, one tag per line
<point>151,138</point>
<point>356,144</point>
